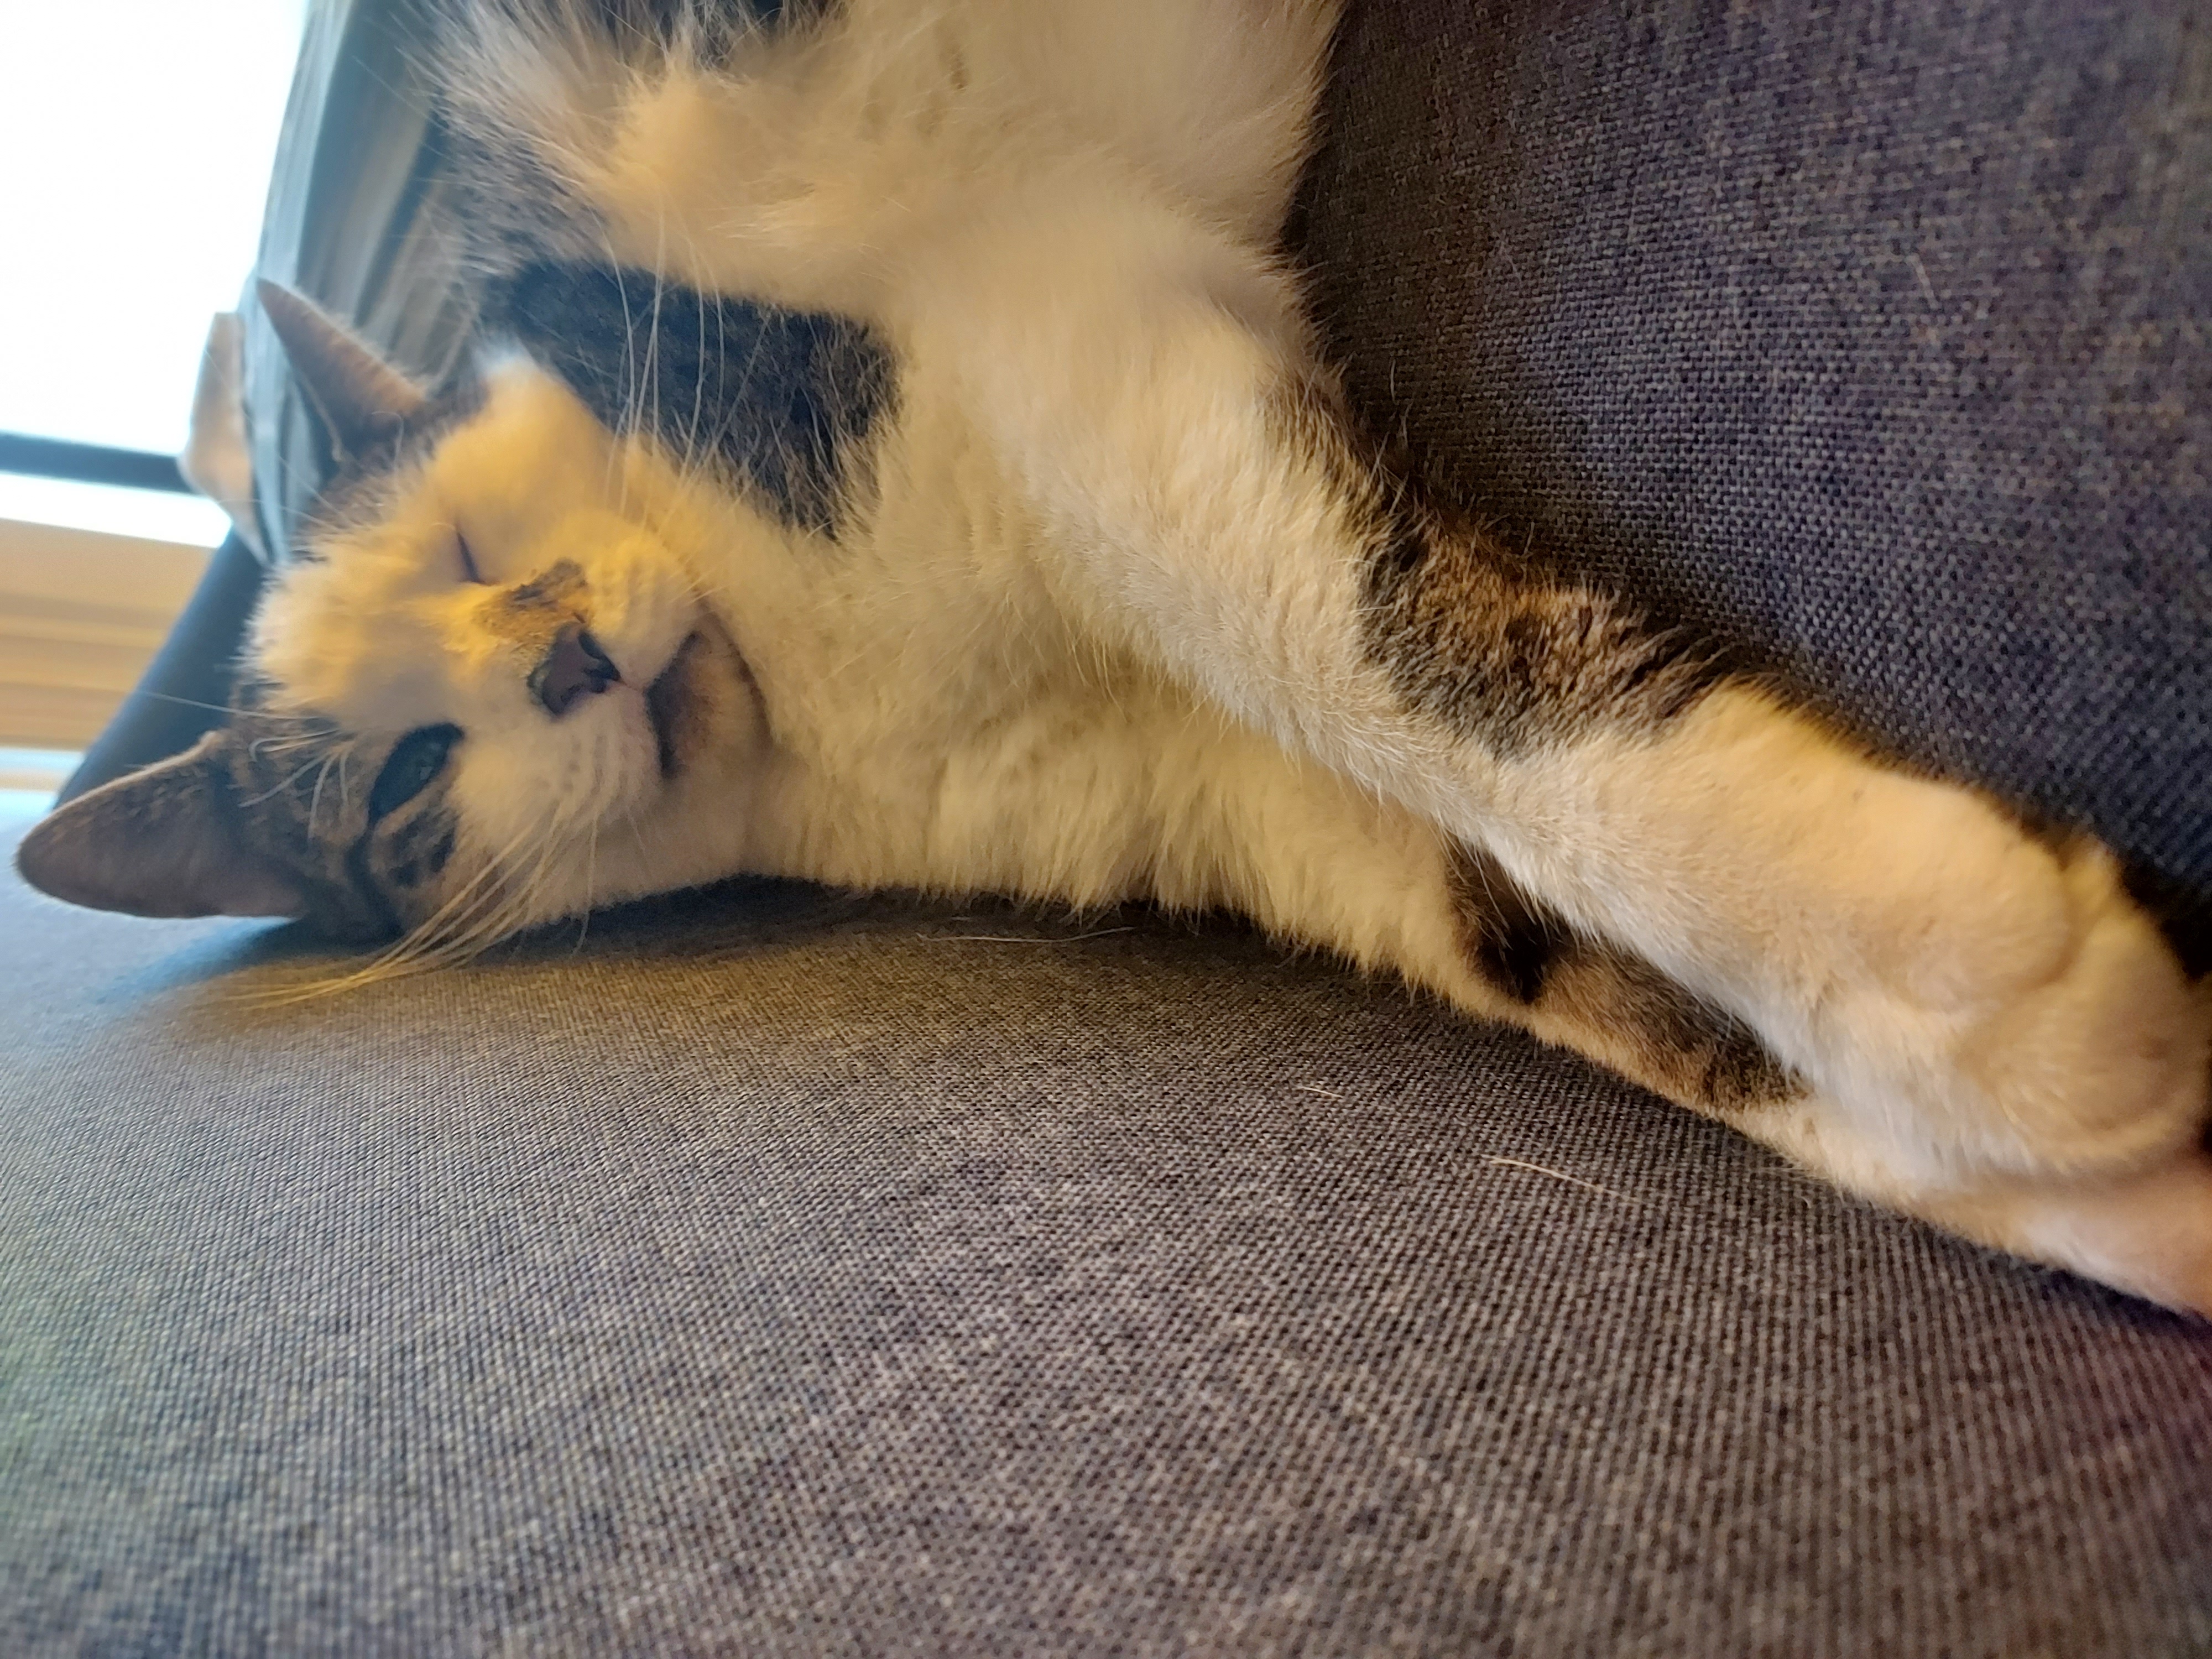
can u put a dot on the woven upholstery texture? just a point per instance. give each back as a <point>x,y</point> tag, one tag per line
<point>779,1272</point>
<point>784,1274</point>
<point>1876,339</point>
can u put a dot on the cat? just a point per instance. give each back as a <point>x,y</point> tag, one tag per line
<point>900,459</point>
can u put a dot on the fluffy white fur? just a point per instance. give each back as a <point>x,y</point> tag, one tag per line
<point>1093,629</point>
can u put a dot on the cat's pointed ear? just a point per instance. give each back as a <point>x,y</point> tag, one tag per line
<point>163,842</point>
<point>360,395</point>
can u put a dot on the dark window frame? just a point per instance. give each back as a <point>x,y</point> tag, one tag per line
<point>98,464</point>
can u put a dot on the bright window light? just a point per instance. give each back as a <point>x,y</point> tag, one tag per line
<point>151,514</point>
<point>28,778</point>
<point>140,134</point>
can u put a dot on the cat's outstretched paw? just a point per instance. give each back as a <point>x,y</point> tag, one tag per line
<point>1973,997</point>
<point>2149,1232</point>
<point>2146,1230</point>
<point>2023,1004</point>
<point>2025,1061</point>
<point>1995,1034</point>
<point>1978,997</point>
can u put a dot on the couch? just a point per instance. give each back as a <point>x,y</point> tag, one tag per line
<point>767,1270</point>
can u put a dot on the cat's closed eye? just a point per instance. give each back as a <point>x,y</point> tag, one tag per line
<point>415,762</point>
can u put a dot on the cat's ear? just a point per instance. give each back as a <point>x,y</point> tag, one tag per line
<point>163,842</point>
<point>361,397</point>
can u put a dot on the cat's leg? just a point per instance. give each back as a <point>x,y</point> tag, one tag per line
<point>797,160</point>
<point>2146,1229</point>
<point>1978,1004</point>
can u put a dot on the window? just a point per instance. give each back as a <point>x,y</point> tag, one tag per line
<point>140,134</point>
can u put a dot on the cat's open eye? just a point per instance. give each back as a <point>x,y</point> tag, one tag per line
<point>469,569</point>
<point>414,762</point>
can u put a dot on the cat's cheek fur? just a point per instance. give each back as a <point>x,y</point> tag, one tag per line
<point>575,813</point>
<point>354,636</point>
<point>531,788</point>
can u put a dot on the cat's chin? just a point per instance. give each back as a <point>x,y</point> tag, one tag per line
<point>692,698</point>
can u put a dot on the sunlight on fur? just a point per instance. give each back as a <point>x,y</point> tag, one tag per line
<point>898,459</point>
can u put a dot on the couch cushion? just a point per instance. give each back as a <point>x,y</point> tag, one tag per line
<point>784,1272</point>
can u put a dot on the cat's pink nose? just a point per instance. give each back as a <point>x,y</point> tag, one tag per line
<point>573,667</point>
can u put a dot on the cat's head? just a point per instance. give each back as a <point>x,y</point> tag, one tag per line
<point>485,694</point>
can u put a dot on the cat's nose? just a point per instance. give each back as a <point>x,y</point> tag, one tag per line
<point>574,667</point>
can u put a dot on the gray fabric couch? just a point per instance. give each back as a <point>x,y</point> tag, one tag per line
<point>772,1271</point>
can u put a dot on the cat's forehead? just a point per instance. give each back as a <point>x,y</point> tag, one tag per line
<point>510,441</point>
<point>357,625</point>
<point>361,488</point>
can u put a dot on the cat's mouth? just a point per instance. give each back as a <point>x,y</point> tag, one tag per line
<point>692,706</point>
<point>667,703</point>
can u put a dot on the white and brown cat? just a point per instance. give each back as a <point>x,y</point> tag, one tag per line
<point>909,467</point>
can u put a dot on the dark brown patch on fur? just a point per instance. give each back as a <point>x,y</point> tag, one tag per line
<point>296,792</point>
<point>1489,643</point>
<point>531,614</point>
<point>1476,639</point>
<point>417,851</point>
<point>214,830</point>
<point>441,854</point>
<point>558,587</point>
<point>1619,1007</point>
<point>294,799</point>
<point>1508,937</point>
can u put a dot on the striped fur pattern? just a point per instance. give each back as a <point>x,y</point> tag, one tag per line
<point>906,465</point>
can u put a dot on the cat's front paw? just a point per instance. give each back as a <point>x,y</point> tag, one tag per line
<point>2146,1231</point>
<point>2106,1059</point>
<point>2027,1007</point>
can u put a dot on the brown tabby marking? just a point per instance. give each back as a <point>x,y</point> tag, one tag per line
<point>1489,643</point>
<point>531,613</point>
<point>1504,656</point>
<point>296,794</point>
<point>419,850</point>
<point>1619,1005</point>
